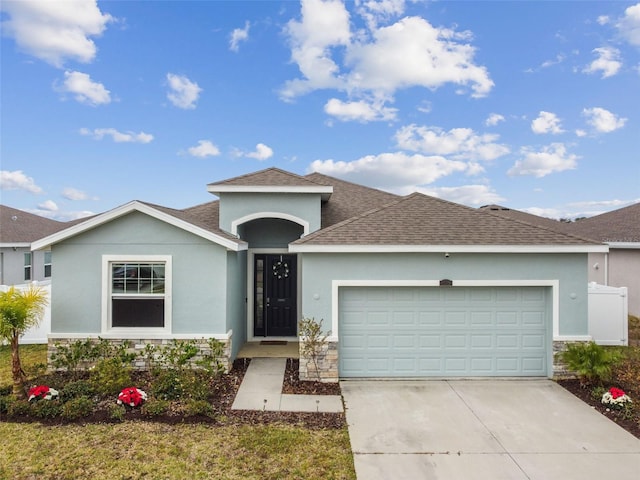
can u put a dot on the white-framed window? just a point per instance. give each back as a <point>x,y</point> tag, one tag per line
<point>27,266</point>
<point>136,293</point>
<point>47,264</point>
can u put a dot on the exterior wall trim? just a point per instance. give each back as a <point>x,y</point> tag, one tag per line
<point>258,215</point>
<point>313,248</point>
<point>143,334</point>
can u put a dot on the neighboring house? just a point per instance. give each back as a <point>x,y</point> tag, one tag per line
<point>620,267</point>
<point>408,286</point>
<point>619,229</point>
<point>18,264</point>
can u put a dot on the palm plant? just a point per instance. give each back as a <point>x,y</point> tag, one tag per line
<point>19,311</point>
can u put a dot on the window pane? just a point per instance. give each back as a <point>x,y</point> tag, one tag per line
<point>47,257</point>
<point>27,259</point>
<point>47,270</point>
<point>139,312</point>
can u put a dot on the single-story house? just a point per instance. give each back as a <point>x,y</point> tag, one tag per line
<point>619,229</point>
<point>18,264</point>
<point>410,286</point>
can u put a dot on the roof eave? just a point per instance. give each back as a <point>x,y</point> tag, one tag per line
<point>314,248</point>
<point>130,207</point>
<point>624,245</point>
<point>324,191</point>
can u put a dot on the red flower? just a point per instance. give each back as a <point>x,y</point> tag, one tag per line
<point>616,392</point>
<point>132,396</point>
<point>38,392</point>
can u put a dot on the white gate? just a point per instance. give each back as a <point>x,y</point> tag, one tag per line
<point>608,314</point>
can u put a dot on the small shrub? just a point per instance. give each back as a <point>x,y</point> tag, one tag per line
<point>71,357</point>
<point>210,361</point>
<point>198,407</point>
<point>4,404</point>
<point>312,341</point>
<point>6,390</point>
<point>110,376</point>
<point>36,370</point>
<point>77,408</point>
<point>16,408</point>
<point>116,412</point>
<point>597,392</point>
<point>591,362</point>
<point>196,384</point>
<point>155,407</point>
<point>79,388</point>
<point>46,408</point>
<point>168,385</point>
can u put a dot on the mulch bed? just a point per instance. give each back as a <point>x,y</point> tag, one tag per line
<point>223,393</point>
<point>584,394</point>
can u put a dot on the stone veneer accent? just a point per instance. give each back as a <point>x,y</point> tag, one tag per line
<point>138,345</point>
<point>327,364</point>
<point>559,367</point>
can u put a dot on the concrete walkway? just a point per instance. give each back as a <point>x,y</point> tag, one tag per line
<point>482,429</point>
<point>261,389</point>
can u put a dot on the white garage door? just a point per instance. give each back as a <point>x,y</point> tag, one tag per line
<point>443,331</point>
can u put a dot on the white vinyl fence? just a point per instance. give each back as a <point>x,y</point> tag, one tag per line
<point>37,334</point>
<point>608,314</point>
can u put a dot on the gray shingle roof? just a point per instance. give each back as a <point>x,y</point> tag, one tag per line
<point>268,177</point>
<point>349,199</point>
<point>18,226</point>
<point>622,225</point>
<point>422,220</point>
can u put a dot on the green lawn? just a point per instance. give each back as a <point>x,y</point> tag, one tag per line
<point>30,355</point>
<point>133,450</point>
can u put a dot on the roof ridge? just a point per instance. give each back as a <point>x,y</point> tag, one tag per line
<point>262,172</point>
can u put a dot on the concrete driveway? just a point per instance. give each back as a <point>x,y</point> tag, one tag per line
<point>482,429</point>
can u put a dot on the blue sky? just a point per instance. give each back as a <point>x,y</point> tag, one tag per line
<point>532,105</point>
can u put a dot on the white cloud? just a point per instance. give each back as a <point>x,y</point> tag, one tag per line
<point>116,136</point>
<point>360,111</point>
<point>262,152</point>
<point>473,195</point>
<point>553,158</point>
<point>603,20</point>
<point>183,93</point>
<point>330,56</point>
<point>581,133</point>
<point>205,148</point>
<point>390,170</point>
<point>603,121</point>
<point>324,25</point>
<point>549,63</point>
<point>55,31</point>
<point>74,194</point>
<point>608,62</point>
<point>238,35</point>
<point>374,11</point>
<point>462,143</point>
<point>421,54</point>
<point>546,122</point>
<point>493,119</point>
<point>629,25</point>
<point>48,205</point>
<point>17,180</point>
<point>84,89</point>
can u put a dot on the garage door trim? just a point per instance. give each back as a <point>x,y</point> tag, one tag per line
<point>337,284</point>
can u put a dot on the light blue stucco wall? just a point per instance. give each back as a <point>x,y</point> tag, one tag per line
<point>237,299</point>
<point>318,271</point>
<point>199,277</point>
<point>305,206</point>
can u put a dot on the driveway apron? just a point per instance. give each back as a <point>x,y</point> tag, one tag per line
<point>480,429</point>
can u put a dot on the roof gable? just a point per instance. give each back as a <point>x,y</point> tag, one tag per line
<point>424,222</point>
<point>177,218</point>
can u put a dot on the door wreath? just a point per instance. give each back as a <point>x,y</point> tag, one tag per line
<point>280,269</point>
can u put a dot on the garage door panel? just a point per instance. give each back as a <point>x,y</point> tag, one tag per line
<point>411,331</point>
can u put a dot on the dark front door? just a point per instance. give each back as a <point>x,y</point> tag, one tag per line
<point>275,293</point>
